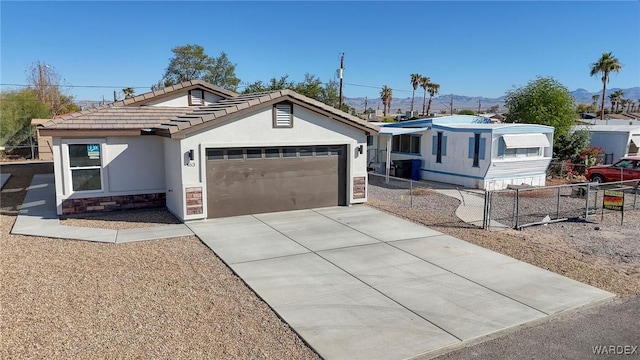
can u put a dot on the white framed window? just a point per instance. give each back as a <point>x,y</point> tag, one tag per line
<point>86,166</point>
<point>196,97</point>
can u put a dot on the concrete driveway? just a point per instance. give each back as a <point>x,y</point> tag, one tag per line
<point>357,283</point>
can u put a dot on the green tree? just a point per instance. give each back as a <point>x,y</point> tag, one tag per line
<point>616,98</point>
<point>424,83</point>
<point>466,112</point>
<point>311,87</point>
<point>433,89</point>
<point>542,101</point>
<point>17,108</point>
<point>415,82</point>
<point>606,64</point>
<point>494,109</point>
<point>595,100</point>
<point>570,145</point>
<point>190,62</point>
<point>386,95</point>
<point>128,92</point>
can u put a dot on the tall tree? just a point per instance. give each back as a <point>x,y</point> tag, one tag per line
<point>190,62</point>
<point>606,64</point>
<point>415,82</point>
<point>17,109</point>
<point>386,94</point>
<point>128,92</point>
<point>46,81</point>
<point>433,89</point>
<point>542,101</point>
<point>595,100</point>
<point>424,83</point>
<point>616,98</point>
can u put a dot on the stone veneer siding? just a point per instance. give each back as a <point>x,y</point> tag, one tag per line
<point>359,187</point>
<point>194,200</point>
<point>113,203</point>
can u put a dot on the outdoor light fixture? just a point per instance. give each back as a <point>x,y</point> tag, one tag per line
<point>360,149</point>
<point>191,156</point>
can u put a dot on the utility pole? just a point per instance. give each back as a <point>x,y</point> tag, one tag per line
<point>479,104</point>
<point>340,71</point>
<point>451,104</point>
<point>365,105</point>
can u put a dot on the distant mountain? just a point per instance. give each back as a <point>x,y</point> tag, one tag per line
<point>461,102</point>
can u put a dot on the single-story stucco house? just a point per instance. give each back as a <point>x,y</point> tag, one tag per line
<point>206,152</point>
<point>615,140</point>
<point>467,150</point>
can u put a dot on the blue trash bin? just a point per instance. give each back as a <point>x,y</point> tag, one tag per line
<point>416,165</point>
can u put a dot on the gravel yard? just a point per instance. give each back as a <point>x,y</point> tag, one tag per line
<point>121,220</point>
<point>154,299</point>
<point>608,258</point>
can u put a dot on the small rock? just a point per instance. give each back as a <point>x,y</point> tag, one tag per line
<point>596,228</point>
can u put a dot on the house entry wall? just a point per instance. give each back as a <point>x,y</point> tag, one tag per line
<point>242,181</point>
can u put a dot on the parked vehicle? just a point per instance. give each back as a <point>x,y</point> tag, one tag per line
<point>627,168</point>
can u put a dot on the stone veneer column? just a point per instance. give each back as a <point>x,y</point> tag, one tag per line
<point>194,200</point>
<point>359,187</point>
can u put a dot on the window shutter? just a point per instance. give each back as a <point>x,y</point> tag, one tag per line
<point>501,147</point>
<point>472,145</point>
<point>483,143</point>
<point>283,115</point>
<point>444,145</point>
<point>434,145</point>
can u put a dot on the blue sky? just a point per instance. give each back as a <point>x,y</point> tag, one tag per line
<point>469,48</point>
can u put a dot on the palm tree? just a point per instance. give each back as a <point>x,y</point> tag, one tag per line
<point>623,104</point>
<point>613,98</point>
<point>415,82</point>
<point>424,83</point>
<point>433,89</point>
<point>619,94</point>
<point>605,65</point>
<point>386,94</point>
<point>595,100</point>
<point>128,92</point>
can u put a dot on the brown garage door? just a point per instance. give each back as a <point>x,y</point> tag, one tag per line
<point>258,180</point>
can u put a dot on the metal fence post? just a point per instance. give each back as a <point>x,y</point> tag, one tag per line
<point>586,205</point>
<point>411,193</point>
<point>515,209</point>
<point>558,205</point>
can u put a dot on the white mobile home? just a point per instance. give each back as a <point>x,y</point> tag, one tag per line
<point>619,140</point>
<point>467,150</point>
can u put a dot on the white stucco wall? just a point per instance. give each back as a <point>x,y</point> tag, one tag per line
<point>256,130</point>
<point>181,99</point>
<point>173,164</point>
<point>130,165</point>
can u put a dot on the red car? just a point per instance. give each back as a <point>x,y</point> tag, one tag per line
<point>627,168</point>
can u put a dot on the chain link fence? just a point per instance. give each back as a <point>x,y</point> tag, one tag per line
<point>445,204</point>
<point>526,206</point>
<point>516,208</point>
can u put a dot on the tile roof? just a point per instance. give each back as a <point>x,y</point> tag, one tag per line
<point>112,117</point>
<point>152,95</point>
<point>168,121</point>
<point>227,107</point>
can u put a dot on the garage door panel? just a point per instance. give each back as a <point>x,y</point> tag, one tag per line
<point>251,186</point>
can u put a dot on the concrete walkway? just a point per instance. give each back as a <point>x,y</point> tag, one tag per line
<point>357,283</point>
<point>4,177</point>
<point>471,209</point>
<point>38,217</point>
